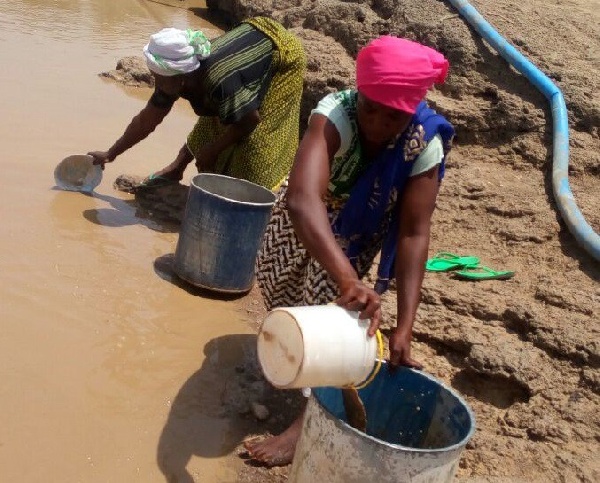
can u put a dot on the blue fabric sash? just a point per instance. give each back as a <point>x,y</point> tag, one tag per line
<point>371,212</point>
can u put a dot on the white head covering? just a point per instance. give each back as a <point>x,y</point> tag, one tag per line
<point>172,51</point>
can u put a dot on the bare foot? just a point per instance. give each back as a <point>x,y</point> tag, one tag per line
<point>276,450</point>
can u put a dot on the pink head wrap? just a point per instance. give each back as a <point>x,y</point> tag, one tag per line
<point>398,72</point>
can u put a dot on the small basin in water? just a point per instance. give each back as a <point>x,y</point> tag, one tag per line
<point>78,173</point>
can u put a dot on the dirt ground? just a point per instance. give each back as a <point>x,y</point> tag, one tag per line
<point>525,353</point>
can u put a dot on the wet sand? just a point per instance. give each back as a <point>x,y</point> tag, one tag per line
<point>98,345</point>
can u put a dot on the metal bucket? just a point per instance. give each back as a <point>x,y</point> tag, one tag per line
<point>78,173</point>
<point>222,229</point>
<point>416,430</point>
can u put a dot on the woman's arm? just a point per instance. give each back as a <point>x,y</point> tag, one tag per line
<point>209,153</point>
<point>416,208</point>
<point>139,128</point>
<point>308,184</point>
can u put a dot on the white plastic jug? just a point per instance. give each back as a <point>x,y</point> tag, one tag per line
<point>323,345</point>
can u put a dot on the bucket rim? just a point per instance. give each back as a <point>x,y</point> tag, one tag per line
<point>243,181</point>
<point>301,366</point>
<point>379,442</point>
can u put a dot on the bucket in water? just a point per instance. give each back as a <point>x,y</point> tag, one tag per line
<point>417,429</point>
<point>322,345</point>
<point>222,229</point>
<point>78,173</point>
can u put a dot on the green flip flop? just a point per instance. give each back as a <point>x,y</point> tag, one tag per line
<point>445,261</point>
<point>483,273</point>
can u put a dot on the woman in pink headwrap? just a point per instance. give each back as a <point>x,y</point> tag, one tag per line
<point>364,180</point>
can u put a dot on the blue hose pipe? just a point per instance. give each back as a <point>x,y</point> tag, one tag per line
<point>572,216</point>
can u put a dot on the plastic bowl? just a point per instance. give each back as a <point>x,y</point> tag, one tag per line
<point>78,173</point>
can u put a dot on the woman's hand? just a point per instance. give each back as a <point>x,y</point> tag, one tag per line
<point>400,350</point>
<point>356,296</point>
<point>101,157</point>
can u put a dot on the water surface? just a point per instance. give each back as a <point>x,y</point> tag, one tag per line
<point>96,345</point>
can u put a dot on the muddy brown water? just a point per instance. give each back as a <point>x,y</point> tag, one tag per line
<point>99,350</point>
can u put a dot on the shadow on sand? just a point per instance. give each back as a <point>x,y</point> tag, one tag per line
<point>163,266</point>
<point>211,414</point>
<point>126,213</point>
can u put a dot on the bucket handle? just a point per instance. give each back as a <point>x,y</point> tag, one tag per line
<point>375,371</point>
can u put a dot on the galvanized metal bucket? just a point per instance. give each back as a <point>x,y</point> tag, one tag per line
<point>222,229</point>
<point>416,430</point>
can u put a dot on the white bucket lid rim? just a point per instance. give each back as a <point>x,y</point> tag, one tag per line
<point>288,381</point>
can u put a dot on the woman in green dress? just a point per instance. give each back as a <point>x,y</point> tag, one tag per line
<point>246,88</point>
